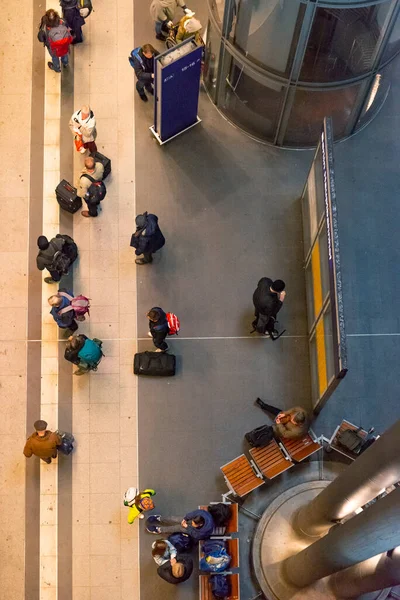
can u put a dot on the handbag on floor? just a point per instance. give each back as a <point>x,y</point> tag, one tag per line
<point>67,440</point>
<point>156,364</point>
<point>261,436</point>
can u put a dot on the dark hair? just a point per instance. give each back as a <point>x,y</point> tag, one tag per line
<point>278,285</point>
<point>159,549</point>
<point>148,48</point>
<point>76,343</point>
<point>153,315</point>
<point>42,242</point>
<point>198,520</point>
<point>51,18</point>
<point>299,417</point>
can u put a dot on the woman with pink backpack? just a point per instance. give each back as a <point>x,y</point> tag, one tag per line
<point>66,308</point>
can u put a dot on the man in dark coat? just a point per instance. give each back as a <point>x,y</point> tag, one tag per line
<point>142,60</point>
<point>267,299</point>
<point>61,245</point>
<point>73,19</point>
<point>176,570</point>
<point>158,328</point>
<point>147,238</point>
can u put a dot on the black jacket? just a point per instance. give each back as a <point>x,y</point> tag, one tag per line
<point>72,354</point>
<point>71,14</point>
<point>149,238</point>
<point>64,243</point>
<point>144,67</point>
<point>165,571</point>
<point>266,302</point>
<point>159,329</point>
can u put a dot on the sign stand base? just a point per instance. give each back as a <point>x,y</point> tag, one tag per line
<point>159,140</point>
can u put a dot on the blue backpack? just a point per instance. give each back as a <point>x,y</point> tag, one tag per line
<point>135,54</point>
<point>91,352</point>
<point>220,586</point>
<point>216,558</point>
<point>182,541</point>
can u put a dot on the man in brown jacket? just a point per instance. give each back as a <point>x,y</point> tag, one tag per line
<point>42,443</point>
<point>290,424</point>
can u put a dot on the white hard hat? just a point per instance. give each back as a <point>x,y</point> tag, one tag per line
<point>130,495</point>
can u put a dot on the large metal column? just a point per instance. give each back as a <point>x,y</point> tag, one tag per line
<point>377,468</point>
<point>371,575</point>
<point>371,532</point>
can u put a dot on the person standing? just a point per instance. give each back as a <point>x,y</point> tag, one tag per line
<point>59,302</point>
<point>83,125</point>
<point>56,256</point>
<point>43,443</point>
<point>57,38</point>
<point>163,13</point>
<point>142,60</point>
<point>158,328</point>
<point>147,238</point>
<point>93,171</point>
<point>291,424</point>
<point>84,352</point>
<point>268,300</point>
<point>73,19</point>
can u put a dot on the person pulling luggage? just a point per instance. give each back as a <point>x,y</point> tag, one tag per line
<point>92,173</point>
<point>57,256</point>
<point>84,352</point>
<point>147,238</point>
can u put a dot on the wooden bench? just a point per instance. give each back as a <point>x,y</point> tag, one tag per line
<point>233,524</point>
<point>334,445</point>
<point>232,548</point>
<point>205,587</point>
<point>271,460</point>
<point>241,476</point>
<point>302,448</point>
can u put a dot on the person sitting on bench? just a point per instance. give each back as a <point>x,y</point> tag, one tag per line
<point>290,424</point>
<point>199,524</point>
<point>176,570</point>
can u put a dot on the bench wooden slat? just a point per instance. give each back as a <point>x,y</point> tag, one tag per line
<point>232,525</point>
<point>205,587</point>
<point>243,479</point>
<point>270,460</point>
<point>300,449</point>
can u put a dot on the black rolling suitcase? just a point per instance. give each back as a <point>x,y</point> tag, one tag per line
<point>67,197</point>
<point>106,162</point>
<point>156,364</point>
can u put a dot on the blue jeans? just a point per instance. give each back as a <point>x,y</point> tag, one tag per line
<point>159,27</point>
<point>56,61</point>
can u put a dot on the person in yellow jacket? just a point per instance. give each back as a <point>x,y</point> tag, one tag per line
<point>138,502</point>
<point>189,26</point>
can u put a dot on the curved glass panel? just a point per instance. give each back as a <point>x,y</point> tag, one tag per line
<point>260,28</point>
<point>311,106</point>
<point>250,102</point>
<point>376,96</point>
<point>210,70</point>
<point>393,44</point>
<point>217,9</point>
<point>343,42</point>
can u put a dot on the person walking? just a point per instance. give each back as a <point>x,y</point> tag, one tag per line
<point>158,328</point>
<point>73,19</point>
<point>43,443</point>
<point>93,171</point>
<point>56,36</point>
<point>147,238</point>
<point>163,13</point>
<point>199,524</point>
<point>291,424</point>
<point>142,61</point>
<point>176,570</point>
<point>59,302</point>
<point>56,256</point>
<point>268,300</point>
<point>138,502</point>
<point>83,126</point>
<point>84,352</point>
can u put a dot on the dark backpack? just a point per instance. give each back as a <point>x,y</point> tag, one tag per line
<point>220,586</point>
<point>96,192</point>
<point>67,440</point>
<point>260,437</point>
<point>221,513</point>
<point>182,541</point>
<point>61,263</point>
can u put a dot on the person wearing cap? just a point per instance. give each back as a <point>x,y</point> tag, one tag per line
<point>268,300</point>
<point>189,26</point>
<point>43,443</point>
<point>63,244</point>
<point>291,424</point>
<point>147,238</point>
<point>138,502</point>
<point>163,13</point>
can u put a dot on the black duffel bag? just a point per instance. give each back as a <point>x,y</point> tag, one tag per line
<point>260,437</point>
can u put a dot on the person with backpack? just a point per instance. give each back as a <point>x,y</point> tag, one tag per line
<point>142,61</point>
<point>147,238</point>
<point>176,570</point>
<point>138,502</point>
<point>163,14</point>
<point>199,524</point>
<point>56,36</point>
<point>66,308</point>
<point>56,256</point>
<point>291,424</point>
<point>82,124</point>
<point>90,186</point>
<point>158,328</point>
<point>268,300</point>
<point>43,443</point>
<point>84,352</point>
<point>73,18</point>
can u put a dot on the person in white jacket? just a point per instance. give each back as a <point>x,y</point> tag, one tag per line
<point>163,13</point>
<point>83,123</point>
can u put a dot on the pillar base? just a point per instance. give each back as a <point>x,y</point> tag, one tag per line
<point>275,540</point>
